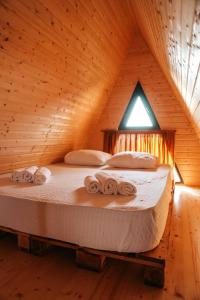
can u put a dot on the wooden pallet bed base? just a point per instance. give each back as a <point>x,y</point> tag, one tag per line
<point>153,261</point>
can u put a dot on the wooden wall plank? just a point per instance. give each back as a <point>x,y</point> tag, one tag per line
<point>58,62</point>
<point>172,31</point>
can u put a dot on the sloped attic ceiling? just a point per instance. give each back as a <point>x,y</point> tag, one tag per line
<point>60,59</point>
<point>171,28</point>
<point>58,62</point>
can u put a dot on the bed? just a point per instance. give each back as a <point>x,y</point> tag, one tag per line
<point>97,226</point>
<point>63,210</point>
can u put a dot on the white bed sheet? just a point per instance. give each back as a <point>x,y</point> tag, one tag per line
<point>62,209</point>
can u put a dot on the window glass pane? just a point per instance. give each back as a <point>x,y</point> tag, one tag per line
<point>139,116</point>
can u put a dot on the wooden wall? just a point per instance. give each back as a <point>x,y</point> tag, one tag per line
<point>58,62</point>
<point>141,65</point>
<point>172,30</point>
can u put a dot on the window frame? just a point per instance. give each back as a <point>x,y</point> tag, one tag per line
<point>138,91</point>
<point>179,174</point>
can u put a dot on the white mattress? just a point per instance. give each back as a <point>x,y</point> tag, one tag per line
<point>63,210</point>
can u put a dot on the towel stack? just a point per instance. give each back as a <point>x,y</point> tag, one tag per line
<point>109,184</point>
<point>92,184</point>
<point>18,175</point>
<point>42,175</point>
<point>31,175</point>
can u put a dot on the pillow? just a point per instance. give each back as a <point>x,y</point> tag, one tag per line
<point>87,157</point>
<point>133,160</point>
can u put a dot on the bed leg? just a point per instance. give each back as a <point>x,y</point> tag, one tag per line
<point>154,276</point>
<point>89,260</point>
<point>39,248</point>
<point>24,242</point>
<point>2,234</point>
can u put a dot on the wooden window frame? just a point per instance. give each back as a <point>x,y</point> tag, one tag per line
<point>139,92</point>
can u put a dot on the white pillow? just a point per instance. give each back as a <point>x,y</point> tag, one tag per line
<point>133,160</point>
<point>87,157</point>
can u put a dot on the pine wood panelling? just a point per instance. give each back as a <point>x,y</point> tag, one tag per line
<point>169,113</point>
<point>58,62</point>
<point>172,30</point>
<point>55,275</point>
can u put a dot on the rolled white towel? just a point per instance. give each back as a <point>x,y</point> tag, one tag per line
<point>92,184</point>
<point>108,184</point>
<point>126,187</point>
<point>18,175</point>
<point>29,173</point>
<point>42,175</point>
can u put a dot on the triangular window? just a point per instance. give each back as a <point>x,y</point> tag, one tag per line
<point>139,114</point>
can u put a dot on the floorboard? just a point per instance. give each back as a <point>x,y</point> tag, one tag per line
<point>55,276</point>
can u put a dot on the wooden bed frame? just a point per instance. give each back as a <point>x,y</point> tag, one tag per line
<point>153,261</point>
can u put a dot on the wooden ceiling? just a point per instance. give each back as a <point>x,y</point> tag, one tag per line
<point>172,30</point>
<point>58,62</point>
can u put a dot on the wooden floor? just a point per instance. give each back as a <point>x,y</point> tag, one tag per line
<point>55,275</point>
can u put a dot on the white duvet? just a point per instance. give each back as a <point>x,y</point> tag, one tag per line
<point>62,209</point>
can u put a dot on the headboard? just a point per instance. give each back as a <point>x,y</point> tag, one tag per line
<point>160,143</point>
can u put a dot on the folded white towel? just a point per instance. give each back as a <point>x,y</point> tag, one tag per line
<point>92,184</point>
<point>126,187</point>
<point>42,175</point>
<point>108,184</point>
<point>29,173</point>
<point>18,175</point>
